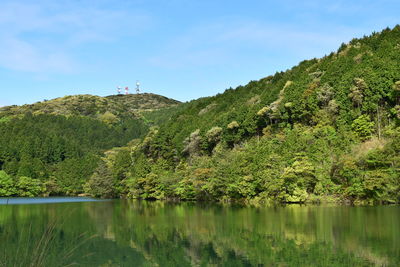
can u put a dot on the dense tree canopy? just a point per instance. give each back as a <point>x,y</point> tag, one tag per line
<point>53,147</point>
<point>324,130</point>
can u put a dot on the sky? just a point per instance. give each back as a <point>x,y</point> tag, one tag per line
<point>182,49</point>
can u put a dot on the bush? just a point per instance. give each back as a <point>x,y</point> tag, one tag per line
<point>28,187</point>
<point>7,185</point>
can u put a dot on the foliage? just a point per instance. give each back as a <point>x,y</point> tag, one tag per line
<point>108,118</point>
<point>59,141</point>
<point>23,186</point>
<point>357,91</point>
<point>104,108</point>
<point>192,144</point>
<point>7,185</point>
<point>306,134</point>
<point>290,137</point>
<point>101,183</point>
<point>28,187</point>
<point>363,127</point>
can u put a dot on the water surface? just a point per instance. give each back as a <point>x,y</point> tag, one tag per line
<point>133,233</point>
<point>43,200</point>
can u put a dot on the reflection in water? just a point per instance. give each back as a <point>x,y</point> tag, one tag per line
<point>133,233</point>
<point>44,200</point>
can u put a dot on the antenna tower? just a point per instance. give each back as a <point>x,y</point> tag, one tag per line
<point>119,89</point>
<point>137,87</point>
<point>127,90</point>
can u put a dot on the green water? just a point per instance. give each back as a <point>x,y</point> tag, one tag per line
<point>129,233</point>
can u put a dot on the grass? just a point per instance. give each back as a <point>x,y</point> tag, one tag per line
<point>31,247</point>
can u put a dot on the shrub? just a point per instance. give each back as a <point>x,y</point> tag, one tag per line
<point>7,185</point>
<point>28,187</point>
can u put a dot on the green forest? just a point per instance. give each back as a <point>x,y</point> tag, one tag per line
<point>53,147</point>
<point>327,130</point>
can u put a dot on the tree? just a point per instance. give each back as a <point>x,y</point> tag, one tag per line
<point>333,107</point>
<point>213,136</point>
<point>7,185</point>
<point>28,187</point>
<point>396,111</point>
<point>108,118</point>
<point>363,127</point>
<point>101,183</point>
<point>396,86</point>
<point>357,91</point>
<point>192,144</point>
<point>300,179</point>
<point>325,94</point>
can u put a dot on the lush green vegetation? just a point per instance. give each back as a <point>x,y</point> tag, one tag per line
<point>158,233</point>
<point>327,129</point>
<point>47,151</point>
<point>107,109</point>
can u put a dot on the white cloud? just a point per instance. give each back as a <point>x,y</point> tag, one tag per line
<point>284,36</point>
<point>225,42</point>
<point>22,56</point>
<point>41,37</point>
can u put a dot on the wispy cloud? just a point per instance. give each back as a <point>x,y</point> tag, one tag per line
<point>227,42</point>
<point>20,55</point>
<point>41,37</point>
<point>302,29</point>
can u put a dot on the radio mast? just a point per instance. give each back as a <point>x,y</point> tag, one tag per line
<point>127,90</point>
<point>137,87</point>
<point>119,89</point>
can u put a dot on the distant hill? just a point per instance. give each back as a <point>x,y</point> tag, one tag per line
<point>94,106</point>
<point>53,147</point>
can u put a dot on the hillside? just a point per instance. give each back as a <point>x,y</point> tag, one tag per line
<point>53,147</point>
<point>94,106</point>
<point>325,130</point>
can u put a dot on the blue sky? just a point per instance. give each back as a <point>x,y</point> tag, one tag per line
<point>182,49</point>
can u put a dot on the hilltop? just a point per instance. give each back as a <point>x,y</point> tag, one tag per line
<point>93,106</point>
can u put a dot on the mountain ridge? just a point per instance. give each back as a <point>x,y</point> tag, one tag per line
<point>92,105</point>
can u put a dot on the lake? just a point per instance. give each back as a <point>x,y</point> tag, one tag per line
<point>138,233</point>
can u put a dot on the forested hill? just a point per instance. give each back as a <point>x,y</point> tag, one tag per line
<point>94,106</point>
<point>327,129</point>
<point>52,147</point>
